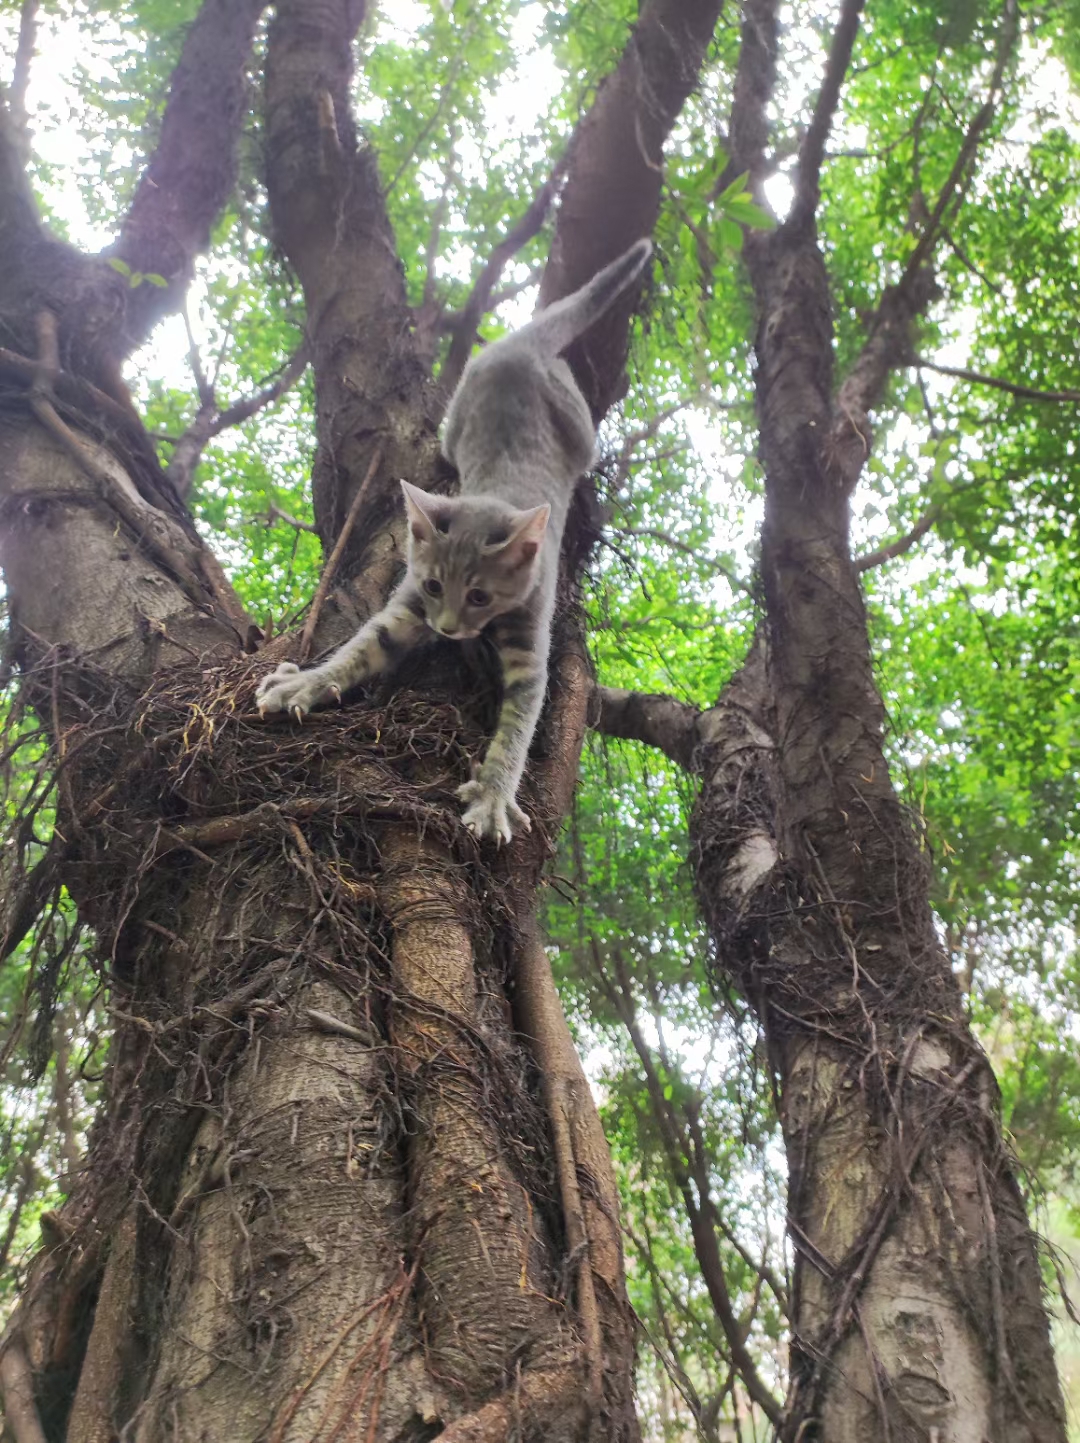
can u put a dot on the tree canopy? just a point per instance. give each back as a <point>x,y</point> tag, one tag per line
<point>965,519</point>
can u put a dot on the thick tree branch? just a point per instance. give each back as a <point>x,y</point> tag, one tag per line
<point>20,225</point>
<point>192,171</point>
<point>812,150</point>
<point>755,78</point>
<point>612,193</point>
<point>17,1389</point>
<point>373,389</point>
<point>24,54</point>
<point>659,721</point>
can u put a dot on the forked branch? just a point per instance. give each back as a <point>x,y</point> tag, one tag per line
<point>888,345</point>
<point>210,422</point>
<point>812,150</point>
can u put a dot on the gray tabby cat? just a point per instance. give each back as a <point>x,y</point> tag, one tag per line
<point>520,434</point>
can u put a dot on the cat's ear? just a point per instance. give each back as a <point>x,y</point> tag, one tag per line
<point>526,536</point>
<point>423,511</point>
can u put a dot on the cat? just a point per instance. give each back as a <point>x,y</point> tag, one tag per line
<point>520,434</point>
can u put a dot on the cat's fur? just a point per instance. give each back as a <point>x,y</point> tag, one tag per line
<point>520,434</point>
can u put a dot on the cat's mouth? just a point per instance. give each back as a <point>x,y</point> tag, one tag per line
<point>464,633</point>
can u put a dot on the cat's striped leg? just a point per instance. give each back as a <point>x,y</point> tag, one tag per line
<point>375,648</point>
<point>522,644</point>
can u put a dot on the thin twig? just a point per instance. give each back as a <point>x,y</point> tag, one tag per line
<point>720,567</point>
<point>1027,393</point>
<point>274,513</point>
<point>331,566</point>
<point>202,385</point>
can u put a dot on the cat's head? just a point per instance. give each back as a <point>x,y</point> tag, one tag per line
<point>472,557</point>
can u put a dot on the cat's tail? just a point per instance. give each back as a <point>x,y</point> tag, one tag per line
<point>554,328</point>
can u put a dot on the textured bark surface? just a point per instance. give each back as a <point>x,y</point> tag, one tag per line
<point>348,1181</point>
<point>612,195</point>
<point>912,1317</point>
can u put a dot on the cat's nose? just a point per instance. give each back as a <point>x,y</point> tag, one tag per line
<point>449,628</point>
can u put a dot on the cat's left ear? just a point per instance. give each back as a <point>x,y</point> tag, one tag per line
<point>527,536</point>
<point>422,511</point>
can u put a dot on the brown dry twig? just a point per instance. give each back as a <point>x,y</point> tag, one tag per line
<point>330,569</point>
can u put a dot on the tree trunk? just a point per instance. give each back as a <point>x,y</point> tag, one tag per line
<point>917,1311</point>
<point>348,1181</point>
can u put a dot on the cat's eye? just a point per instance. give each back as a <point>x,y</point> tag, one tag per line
<point>433,586</point>
<point>477,598</point>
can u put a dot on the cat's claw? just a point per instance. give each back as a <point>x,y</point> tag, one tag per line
<point>490,813</point>
<point>291,690</point>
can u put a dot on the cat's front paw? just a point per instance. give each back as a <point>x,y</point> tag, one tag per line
<point>491,813</point>
<point>287,688</point>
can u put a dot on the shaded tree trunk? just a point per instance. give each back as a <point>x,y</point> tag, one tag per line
<point>917,1311</point>
<point>348,1180</point>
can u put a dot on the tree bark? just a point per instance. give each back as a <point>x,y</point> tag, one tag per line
<point>917,1309</point>
<point>331,1191</point>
